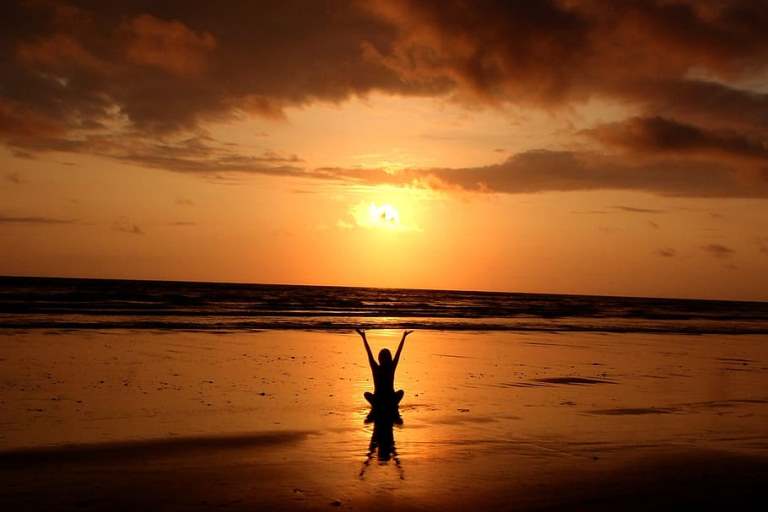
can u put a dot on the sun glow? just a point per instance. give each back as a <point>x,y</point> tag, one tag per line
<point>387,210</point>
<point>384,216</point>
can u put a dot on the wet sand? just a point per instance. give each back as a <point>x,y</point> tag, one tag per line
<point>536,421</point>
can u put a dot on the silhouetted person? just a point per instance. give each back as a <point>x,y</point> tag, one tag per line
<point>384,394</point>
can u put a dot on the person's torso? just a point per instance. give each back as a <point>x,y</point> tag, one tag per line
<point>383,380</point>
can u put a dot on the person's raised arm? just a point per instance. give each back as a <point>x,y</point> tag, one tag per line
<point>371,360</point>
<point>400,348</point>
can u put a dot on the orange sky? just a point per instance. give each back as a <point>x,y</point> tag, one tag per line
<point>390,144</point>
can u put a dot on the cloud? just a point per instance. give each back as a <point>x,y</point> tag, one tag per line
<point>199,154</point>
<point>167,45</point>
<point>543,171</point>
<point>681,65</point>
<point>165,68</point>
<point>134,82</point>
<point>14,177</point>
<point>182,223</point>
<point>714,104</point>
<point>139,82</point>
<point>123,225</point>
<point>12,219</point>
<point>634,209</point>
<point>183,201</point>
<point>564,51</point>
<point>196,154</point>
<point>666,253</point>
<point>617,209</point>
<point>718,250</point>
<point>657,135</point>
<point>591,212</point>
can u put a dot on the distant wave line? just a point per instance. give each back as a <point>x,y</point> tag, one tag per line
<point>665,328</point>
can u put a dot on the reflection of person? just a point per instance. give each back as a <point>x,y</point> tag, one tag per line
<point>382,446</point>
<point>384,374</point>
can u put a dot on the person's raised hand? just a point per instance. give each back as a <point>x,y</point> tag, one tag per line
<point>361,332</point>
<point>406,333</point>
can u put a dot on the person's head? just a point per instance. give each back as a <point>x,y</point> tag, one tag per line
<point>385,357</point>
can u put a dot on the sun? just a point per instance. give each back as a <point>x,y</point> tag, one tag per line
<point>384,216</point>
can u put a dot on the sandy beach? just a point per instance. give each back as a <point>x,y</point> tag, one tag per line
<point>180,421</point>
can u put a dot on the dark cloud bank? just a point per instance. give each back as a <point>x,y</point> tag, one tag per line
<point>137,82</point>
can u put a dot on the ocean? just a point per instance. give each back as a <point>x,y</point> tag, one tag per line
<point>64,303</point>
